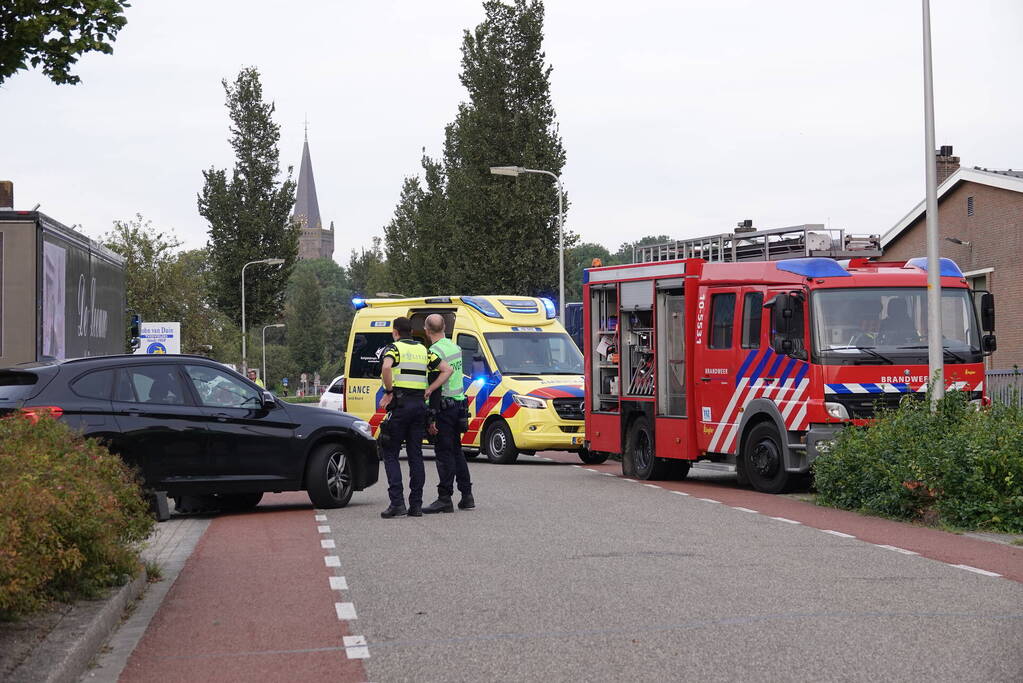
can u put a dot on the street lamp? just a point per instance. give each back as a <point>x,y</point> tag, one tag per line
<point>264,347</point>
<point>518,170</point>
<point>269,262</point>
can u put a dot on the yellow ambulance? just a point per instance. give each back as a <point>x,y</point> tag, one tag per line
<point>523,374</point>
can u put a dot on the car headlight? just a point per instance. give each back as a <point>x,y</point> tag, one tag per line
<point>363,428</point>
<point>837,411</point>
<point>529,401</point>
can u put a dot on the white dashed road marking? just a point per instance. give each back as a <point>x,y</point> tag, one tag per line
<point>606,474</point>
<point>837,533</point>
<point>332,561</point>
<point>321,518</point>
<point>680,493</point>
<point>345,610</point>
<point>709,500</point>
<point>746,510</point>
<point>787,521</point>
<point>898,550</point>
<point>327,543</point>
<point>323,529</point>
<point>355,647</point>
<point>338,583</point>
<point>968,568</point>
<point>653,486</point>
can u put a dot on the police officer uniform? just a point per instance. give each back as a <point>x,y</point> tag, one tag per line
<point>406,421</point>
<point>450,413</point>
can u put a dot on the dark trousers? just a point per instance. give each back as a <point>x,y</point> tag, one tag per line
<point>407,425</point>
<point>447,448</point>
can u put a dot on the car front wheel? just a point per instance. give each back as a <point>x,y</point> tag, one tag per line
<point>329,477</point>
<point>499,443</point>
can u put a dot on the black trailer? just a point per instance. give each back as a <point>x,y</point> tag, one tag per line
<point>62,293</point>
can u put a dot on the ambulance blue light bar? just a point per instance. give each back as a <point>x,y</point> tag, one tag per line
<point>549,307</point>
<point>948,267</point>
<point>359,303</point>
<point>814,267</point>
<point>481,305</point>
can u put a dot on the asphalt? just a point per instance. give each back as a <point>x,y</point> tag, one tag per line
<point>566,574</point>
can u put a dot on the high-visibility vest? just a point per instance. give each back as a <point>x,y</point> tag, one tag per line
<point>446,350</point>
<point>411,366</point>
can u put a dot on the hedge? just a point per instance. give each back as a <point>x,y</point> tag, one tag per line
<point>957,465</point>
<point>71,516</point>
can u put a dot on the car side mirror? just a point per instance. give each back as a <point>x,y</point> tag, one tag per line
<point>269,401</point>
<point>989,343</point>
<point>987,312</point>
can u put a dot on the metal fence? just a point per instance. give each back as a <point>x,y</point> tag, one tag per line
<point>1005,386</point>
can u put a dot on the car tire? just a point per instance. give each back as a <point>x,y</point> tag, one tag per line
<point>764,460</point>
<point>639,449</point>
<point>329,476</point>
<point>592,457</point>
<point>238,502</point>
<point>499,443</point>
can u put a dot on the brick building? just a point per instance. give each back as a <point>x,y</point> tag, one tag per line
<point>314,241</point>
<point>980,223</point>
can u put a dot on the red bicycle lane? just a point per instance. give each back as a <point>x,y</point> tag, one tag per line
<point>253,602</point>
<point>931,543</point>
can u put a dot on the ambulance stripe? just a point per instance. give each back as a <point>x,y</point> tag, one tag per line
<point>719,432</point>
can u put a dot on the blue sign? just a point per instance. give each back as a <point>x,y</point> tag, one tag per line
<point>284,381</point>
<point>156,347</point>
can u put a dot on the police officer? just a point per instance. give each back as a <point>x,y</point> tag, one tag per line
<point>404,374</point>
<point>449,411</point>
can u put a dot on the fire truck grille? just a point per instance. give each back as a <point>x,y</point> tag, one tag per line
<point>569,408</point>
<point>865,406</point>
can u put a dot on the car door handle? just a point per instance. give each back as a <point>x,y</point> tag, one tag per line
<point>221,417</point>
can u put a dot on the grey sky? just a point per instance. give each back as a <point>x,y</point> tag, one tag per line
<point>677,117</point>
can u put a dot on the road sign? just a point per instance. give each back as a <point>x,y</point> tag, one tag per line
<point>159,338</point>
<point>284,381</point>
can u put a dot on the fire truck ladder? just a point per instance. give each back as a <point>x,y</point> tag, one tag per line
<point>765,245</point>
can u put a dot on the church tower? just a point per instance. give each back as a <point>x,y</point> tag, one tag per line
<point>313,241</point>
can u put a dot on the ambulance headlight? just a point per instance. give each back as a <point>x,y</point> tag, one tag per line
<point>529,401</point>
<point>836,410</point>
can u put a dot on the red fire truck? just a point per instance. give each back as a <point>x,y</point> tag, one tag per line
<point>746,351</point>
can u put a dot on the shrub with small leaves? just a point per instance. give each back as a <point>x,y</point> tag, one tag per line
<point>72,516</point>
<point>962,464</point>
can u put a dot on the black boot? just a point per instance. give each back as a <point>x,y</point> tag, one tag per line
<point>394,511</point>
<point>415,509</point>
<point>467,502</point>
<point>442,504</point>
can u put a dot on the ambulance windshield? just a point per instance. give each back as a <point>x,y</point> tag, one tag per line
<point>872,325</point>
<point>535,353</point>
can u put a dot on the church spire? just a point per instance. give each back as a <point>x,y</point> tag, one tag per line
<point>307,208</point>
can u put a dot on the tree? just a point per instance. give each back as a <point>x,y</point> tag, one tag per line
<point>54,33</point>
<point>336,301</point>
<point>577,259</point>
<point>249,212</point>
<point>163,284</point>
<point>624,253</point>
<point>368,271</point>
<point>417,233</point>
<point>499,235</point>
<point>305,329</point>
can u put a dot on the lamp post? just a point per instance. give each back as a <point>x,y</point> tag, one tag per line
<point>269,262</point>
<point>518,170</point>
<point>264,347</point>
<point>935,348</point>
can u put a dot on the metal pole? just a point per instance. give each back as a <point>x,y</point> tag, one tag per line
<point>935,350</point>
<point>244,364</point>
<point>561,253</point>
<point>264,354</point>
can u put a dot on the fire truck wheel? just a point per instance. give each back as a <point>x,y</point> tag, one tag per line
<point>765,465</point>
<point>639,447</point>
<point>499,443</point>
<point>592,457</point>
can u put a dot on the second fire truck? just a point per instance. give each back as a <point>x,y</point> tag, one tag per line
<point>751,350</point>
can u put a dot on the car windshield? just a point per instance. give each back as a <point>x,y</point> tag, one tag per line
<point>535,353</point>
<point>874,325</point>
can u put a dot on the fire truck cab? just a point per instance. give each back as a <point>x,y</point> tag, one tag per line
<point>749,351</point>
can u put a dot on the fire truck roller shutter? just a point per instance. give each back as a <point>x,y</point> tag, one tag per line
<point>794,458</point>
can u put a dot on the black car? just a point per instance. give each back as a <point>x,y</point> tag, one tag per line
<point>195,428</point>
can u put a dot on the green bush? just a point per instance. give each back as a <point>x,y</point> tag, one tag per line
<point>301,399</point>
<point>71,516</point>
<point>962,465</point>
